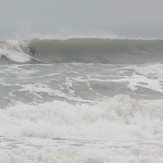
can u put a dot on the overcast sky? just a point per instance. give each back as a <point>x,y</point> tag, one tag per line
<point>81,11</point>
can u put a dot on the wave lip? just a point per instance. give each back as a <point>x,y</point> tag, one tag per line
<point>13,51</point>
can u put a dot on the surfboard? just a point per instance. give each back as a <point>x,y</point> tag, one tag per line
<point>36,59</point>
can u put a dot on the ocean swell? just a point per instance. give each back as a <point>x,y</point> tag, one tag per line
<point>85,50</point>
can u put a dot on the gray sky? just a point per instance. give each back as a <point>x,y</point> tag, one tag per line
<point>81,11</point>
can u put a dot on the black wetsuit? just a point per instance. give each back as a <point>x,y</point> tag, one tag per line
<point>32,51</point>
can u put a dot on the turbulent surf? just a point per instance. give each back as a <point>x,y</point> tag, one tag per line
<point>91,99</point>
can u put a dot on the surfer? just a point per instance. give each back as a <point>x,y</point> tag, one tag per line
<point>32,51</point>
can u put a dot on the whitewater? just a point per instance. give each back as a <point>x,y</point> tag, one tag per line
<point>90,100</point>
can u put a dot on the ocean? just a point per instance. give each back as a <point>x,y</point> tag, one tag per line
<point>96,97</point>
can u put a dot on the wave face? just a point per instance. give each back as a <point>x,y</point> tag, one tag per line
<point>84,50</point>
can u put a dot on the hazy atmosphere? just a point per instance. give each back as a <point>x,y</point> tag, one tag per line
<point>41,12</point>
<point>81,81</point>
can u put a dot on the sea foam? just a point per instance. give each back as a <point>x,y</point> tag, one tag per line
<point>136,154</point>
<point>120,115</point>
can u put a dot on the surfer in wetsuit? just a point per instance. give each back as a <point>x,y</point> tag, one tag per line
<point>32,51</point>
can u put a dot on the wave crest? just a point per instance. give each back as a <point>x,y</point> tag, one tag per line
<point>87,50</point>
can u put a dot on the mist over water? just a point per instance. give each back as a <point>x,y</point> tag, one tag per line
<point>67,31</point>
<point>86,43</point>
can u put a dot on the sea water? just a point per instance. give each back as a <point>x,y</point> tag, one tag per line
<point>96,97</point>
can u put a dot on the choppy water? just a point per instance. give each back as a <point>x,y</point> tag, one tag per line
<point>90,100</point>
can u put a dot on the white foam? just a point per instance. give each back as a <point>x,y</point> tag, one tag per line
<point>153,71</point>
<point>149,77</point>
<point>13,51</point>
<point>82,155</point>
<point>107,120</point>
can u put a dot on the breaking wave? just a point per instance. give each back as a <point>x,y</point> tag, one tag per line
<point>120,115</point>
<point>85,50</point>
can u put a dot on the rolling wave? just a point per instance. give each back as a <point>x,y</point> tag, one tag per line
<point>85,50</point>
